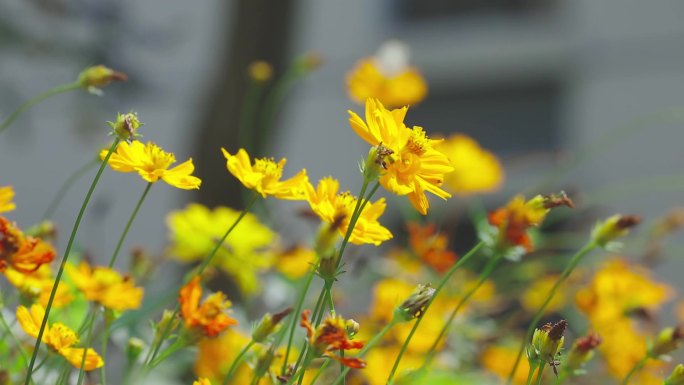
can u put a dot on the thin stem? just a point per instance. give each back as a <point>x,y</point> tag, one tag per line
<point>635,369</point>
<point>319,372</point>
<point>61,193</point>
<point>62,265</point>
<point>530,374</point>
<point>89,340</point>
<point>128,226</point>
<point>489,268</point>
<point>439,287</point>
<point>31,102</point>
<point>574,261</point>
<point>366,348</point>
<point>14,338</point>
<point>105,341</point>
<point>539,375</point>
<point>304,351</point>
<point>247,129</point>
<point>293,321</point>
<point>237,361</point>
<point>200,270</point>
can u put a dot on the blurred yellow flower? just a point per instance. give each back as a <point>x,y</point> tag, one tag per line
<point>57,337</point>
<point>209,317</point>
<point>387,77</point>
<point>152,164</point>
<point>215,355</point>
<point>202,381</point>
<point>6,196</point>
<point>337,208</point>
<point>195,231</point>
<point>21,252</point>
<point>534,297</point>
<point>295,261</point>
<point>38,284</point>
<point>106,286</point>
<point>379,362</point>
<point>476,170</point>
<point>500,360</point>
<point>413,165</point>
<point>264,176</point>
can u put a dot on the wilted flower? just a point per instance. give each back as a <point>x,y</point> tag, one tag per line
<point>605,233</point>
<point>264,176</point>
<point>582,351</point>
<point>58,337</point>
<point>476,170</point>
<point>24,253</point>
<point>6,196</point>
<point>330,337</point>
<point>94,77</point>
<point>414,166</point>
<point>268,325</point>
<point>152,164</point>
<point>209,317</point>
<point>387,77</point>
<point>106,286</point>
<point>546,343</point>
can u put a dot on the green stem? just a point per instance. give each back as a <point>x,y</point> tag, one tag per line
<point>489,268</point>
<point>439,287</point>
<point>237,361</point>
<point>366,348</point>
<point>65,257</point>
<point>246,131</point>
<point>200,270</point>
<point>320,372</point>
<point>293,320</point>
<point>574,261</point>
<point>304,351</point>
<point>105,341</point>
<point>112,260</point>
<point>635,369</point>
<point>14,338</point>
<point>61,193</point>
<point>31,102</point>
<point>539,375</point>
<point>89,340</point>
<point>530,374</point>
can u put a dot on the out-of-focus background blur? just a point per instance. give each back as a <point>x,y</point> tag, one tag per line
<point>596,85</point>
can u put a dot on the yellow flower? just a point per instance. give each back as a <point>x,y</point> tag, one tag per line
<point>202,381</point>
<point>387,77</point>
<point>476,170</point>
<point>6,196</point>
<point>106,286</point>
<point>215,356</point>
<point>500,359</point>
<point>264,176</point>
<point>413,165</point>
<point>295,261</point>
<point>209,317</point>
<point>195,231</point>
<point>152,164</point>
<point>57,337</point>
<point>38,284</point>
<point>337,208</point>
<point>536,294</point>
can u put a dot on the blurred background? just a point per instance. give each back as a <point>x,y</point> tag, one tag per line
<point>586,96</point>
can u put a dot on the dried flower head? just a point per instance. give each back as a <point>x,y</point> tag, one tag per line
<point>269,324</point>
<point>605,233</point>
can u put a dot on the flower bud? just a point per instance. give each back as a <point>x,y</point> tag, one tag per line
<point>134,347</point>
<point>379,158</point>
<point>167,323</point>
<point>546,342</point>
<point>582,351</point>
<point>126,126</point>
<point>99,76</point>
<point>677,376</point>
<point>264,360</point>
<point>268,325</point>
<point>351,327</point>
<point>260,71</point>
<point>604,233</point>
<point>413,306</point>
<point>668,340</point>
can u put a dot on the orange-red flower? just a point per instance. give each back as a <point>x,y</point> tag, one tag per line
<point>209,317</point>
<point>25,254</point>
<point>331,336</point>
<point>430,246</point>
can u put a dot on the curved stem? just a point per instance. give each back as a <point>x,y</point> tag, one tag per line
<point>65,257</point>
<point>237,361</point>
<point>574,261</point>
<point>31,102</point>
<point>128,226</point>
<point>61,193</point>
<point>635,369</point>
<point>439,287</point>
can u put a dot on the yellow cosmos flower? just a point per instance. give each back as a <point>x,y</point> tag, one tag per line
<point>215,356</point>
<point>295,262</point>
<point>264,176</point>
<point>245,253</point>
<point>58,337</point>
<point>499,360</point>
<point>6,196</point>
<point>106,286</point>
<point>476,170</point>
<point>38,284</point>
<point>152,164</point>
<point>414,166</point>
<point>337,208</point>
<point>387,77</point>
<point>534,297</point>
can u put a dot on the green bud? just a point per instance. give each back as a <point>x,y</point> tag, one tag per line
<point>126,126</point>
<point>413,306</point>
<point>268,325</point>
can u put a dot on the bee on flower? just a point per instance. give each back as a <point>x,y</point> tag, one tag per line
<point>209,318</point>
<point>58,337</point>
<point>23,253</point>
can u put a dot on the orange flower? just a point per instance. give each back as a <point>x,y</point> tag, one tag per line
<point>25,254</point>
<point>514,220</point>
<point>209,316</point>
<point>331,336</point>
<point>430,246</point>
